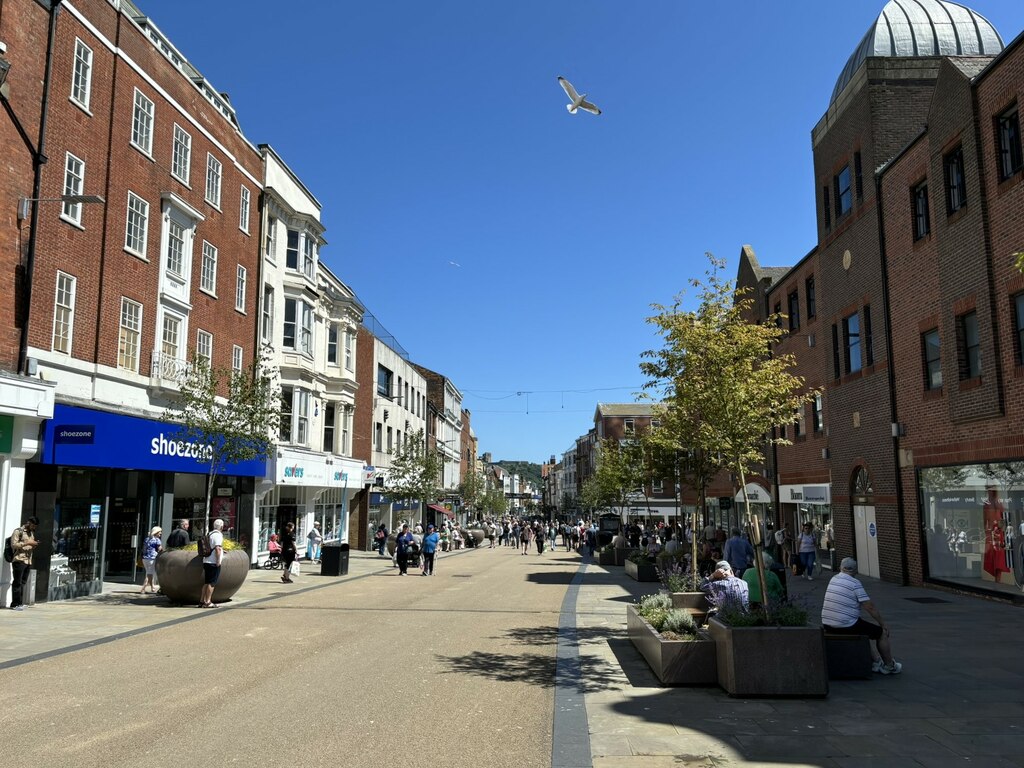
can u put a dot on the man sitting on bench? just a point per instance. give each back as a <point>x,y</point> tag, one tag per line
<point>840,613</point>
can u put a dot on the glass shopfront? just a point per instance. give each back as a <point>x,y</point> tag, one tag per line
<point>103,481</point>
<point>973,520</point>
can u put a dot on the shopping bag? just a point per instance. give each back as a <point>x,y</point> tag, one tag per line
<point>295,568</point>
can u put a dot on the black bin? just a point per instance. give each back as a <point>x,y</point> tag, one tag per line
<point>334,560</point>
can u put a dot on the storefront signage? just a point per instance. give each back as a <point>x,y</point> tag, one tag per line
<point>82,437</point>
<point>805,494</point>
<point>755,495</point>
<point>72,434</point>
<point>94,514</point>
<point>6,433</point>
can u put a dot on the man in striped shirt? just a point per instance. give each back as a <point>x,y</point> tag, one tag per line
<point>840,613</point>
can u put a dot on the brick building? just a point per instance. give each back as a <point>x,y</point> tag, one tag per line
<point>140,250</point>
<point>908,313</point>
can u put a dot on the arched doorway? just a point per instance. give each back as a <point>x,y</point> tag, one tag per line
<point>865,529</point>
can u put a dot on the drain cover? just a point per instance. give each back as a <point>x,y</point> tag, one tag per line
<point>926,600</point>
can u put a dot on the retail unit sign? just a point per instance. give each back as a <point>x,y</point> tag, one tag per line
<point>755,495</point>
<point>82,437</point>
<point>805,494</point>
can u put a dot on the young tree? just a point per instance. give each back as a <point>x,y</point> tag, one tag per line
<point>473,489</point>
<point>717,371</point>
<point>231,416</point>
<point>621,471</point>
<point>415,472</point>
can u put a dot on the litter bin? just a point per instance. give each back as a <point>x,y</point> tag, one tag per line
<point>334,560</point>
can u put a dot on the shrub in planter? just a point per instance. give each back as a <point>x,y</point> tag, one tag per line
<point>640,567</point>
<point>606,555</point>
<point>769,653</point>
<point>180,573</point>
<point>677,652</point>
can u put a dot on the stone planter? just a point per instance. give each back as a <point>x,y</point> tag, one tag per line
<point>770,661</point>
<point>605,558</point>
<point>620,555</point>
<point>674,662</point>
<point>641,572</point>
<point>180,575</point>
<point>478,534</point>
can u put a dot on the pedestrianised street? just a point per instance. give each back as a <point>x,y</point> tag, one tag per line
<point>497,660</point>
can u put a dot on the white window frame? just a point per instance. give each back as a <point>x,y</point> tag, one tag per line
<point>136,226</point>
<point>305,329</point>
<point>129,335</point>
<point>204,346</point>
<point>349,349</point>
<point>214,177</point>
<point>167,321</point>
<point>244,209</point>
<point>81,76</point>
<point>309,256</point>
<point>143,119</point>
<point>333,329</point>
<point>270,246</point>
<point>64,313</point>
<point>208,269</point>
<point>74,182</point>
<point>181,155</point>
<point>241,277</point>
<point>267,327</point>
<point>174,260</point>
<point>236,358</point>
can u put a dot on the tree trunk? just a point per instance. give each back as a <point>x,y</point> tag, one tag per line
<point>758,548</point>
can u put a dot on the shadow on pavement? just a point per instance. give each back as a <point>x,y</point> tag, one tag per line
<point>548,634</point>
<point>530,668</point>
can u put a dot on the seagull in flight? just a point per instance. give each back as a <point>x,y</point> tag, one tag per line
<point>578,100</point>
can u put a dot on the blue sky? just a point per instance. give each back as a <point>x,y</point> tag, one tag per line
<point>435,132</point>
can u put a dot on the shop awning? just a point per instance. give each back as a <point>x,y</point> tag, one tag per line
<point>442,510</point>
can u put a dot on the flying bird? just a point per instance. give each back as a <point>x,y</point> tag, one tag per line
<point>579,101</point>
<point>454,264</point>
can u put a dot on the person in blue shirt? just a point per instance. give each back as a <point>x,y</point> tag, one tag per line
<point>402,544</point>
<point>429,549</point>
<point>738,552</point>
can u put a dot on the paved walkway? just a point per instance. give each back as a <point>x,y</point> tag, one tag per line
<point>959,701</point>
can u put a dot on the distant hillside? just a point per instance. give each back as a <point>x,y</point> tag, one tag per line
<point>527,470</point>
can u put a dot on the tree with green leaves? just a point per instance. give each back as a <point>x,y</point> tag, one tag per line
<point>622,470</point>
<point>473,488</point>
<point>716,374</point>
<point>230,416</point>
<point>415,472</point>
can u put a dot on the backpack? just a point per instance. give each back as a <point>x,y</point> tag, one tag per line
<point>9,550</point>
<point>203,545</point>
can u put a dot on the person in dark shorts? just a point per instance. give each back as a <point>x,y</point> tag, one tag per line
<point>211,564</point>
<point>288,551</point>
<point>840,612</point>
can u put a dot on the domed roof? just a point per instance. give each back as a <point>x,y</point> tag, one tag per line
<point>923,28</point>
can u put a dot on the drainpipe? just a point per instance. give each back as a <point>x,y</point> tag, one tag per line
<point>893,415</point>
<point>38,161</point>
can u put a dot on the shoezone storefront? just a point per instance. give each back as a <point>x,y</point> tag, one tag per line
<point>104,480</point>
<point>303,487</point>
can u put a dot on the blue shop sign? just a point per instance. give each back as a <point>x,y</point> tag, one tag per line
<point>81,437</point>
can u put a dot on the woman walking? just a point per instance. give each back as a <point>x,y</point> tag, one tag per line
<point>151,547</point>
<point>525,535</point>
<point>808,549</point>
<point>288,551</point>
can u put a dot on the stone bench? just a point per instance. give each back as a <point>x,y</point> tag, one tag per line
<point>848,657</point>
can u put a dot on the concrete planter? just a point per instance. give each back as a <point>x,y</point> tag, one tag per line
<point>770,661</point>
<point>641,572</point>
<point>620,556</point>
<point>605,558</point>
<point>180,574</point>
<point>674,662</point>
